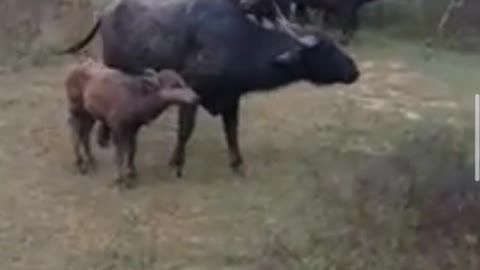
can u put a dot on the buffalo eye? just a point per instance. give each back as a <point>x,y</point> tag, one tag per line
<point>287,58</point>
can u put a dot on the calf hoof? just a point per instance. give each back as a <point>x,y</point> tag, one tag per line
<point>103,143</point>
<point>131,174</point>
<point>118,181</point>
<point>128,184</point>
<point>82,170</point>
<point>80,167</point>
<point>91,166</point>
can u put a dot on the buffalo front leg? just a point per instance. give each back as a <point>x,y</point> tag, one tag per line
<point>186,123</point>
<point>230,119</point>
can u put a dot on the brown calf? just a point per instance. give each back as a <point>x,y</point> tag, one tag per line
<point>122,104</point>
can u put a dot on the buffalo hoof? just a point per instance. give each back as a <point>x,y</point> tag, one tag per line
<point>239,170</point>
<point>81,167</point>
<point>176,168</point>
<point>177,172</point>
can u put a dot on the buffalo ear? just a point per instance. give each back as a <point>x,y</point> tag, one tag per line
<point>309,41</point>
<point>287,58</point>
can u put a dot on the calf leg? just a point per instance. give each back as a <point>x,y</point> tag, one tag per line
<point>103,135</point>
<point>120,151</point>
<point>230,124</point>
<point>75,127</point>
<point>81,124</point>
<point>86,127</point>
<point>125,149</point>
<point>186,124</point>
<point>131,150</point>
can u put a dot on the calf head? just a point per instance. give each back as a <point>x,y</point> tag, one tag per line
<point>149,81</point>
<point>170,87</point>
<point>178,95</point>
<point>320,62</point>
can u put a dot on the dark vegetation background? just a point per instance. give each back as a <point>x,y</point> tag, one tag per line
<point>34,26</point>
<point>378,175</point>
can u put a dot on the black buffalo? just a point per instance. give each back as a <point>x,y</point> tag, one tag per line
<point>340,13</point>
<point>219,52</point>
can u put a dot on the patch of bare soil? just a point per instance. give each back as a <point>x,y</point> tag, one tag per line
<point>393,87</point>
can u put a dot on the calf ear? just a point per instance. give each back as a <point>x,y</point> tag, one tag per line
<point>150,72</point>
<point>287,58</point>
<point>149,84</point>
<point>309,41</point>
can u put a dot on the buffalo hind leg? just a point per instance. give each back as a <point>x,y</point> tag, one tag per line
<point>230,119</point>
<point>186,123</point>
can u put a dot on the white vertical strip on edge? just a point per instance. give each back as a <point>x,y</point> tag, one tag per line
<point>477,137</point>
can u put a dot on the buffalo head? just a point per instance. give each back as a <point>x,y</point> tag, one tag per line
<point>318,60</point>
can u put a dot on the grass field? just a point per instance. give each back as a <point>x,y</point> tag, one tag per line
<point>338,177</point>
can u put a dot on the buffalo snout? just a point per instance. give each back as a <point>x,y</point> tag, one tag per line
<point>351,71</point>
<point>352,76</point>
